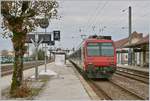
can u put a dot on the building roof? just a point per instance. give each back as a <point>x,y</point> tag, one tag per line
<point>144,40</point>
<point>120,43</point>
<point>135,37</point>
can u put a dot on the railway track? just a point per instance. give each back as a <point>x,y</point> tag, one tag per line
<point>8,69</point>
<point>129,91</point>
<point>110,90</point>
<point>139,76</point>
<point>99,91</point>
<point>134,71</point>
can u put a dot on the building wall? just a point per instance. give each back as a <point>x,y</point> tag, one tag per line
<point>141,58</point>
<point>146,55</point>
<point>122,56</point>
<point>137,58</point>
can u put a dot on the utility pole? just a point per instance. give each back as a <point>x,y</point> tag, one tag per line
<point>45,55</point>
<point>36,57</point>
<point>130,37</point>
<point>45,49</point>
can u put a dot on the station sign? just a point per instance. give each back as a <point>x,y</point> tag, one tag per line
<point>56,35</point>
<point>45,37</point>
<point>29,37</point>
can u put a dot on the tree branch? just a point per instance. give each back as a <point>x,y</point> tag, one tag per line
<point>5,9</point>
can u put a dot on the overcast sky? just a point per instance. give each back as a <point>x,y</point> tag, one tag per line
<point>91,16</point>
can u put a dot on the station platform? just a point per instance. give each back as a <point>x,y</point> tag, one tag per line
<point>63,86</point>
<point>138,68</point>
<point>66,85</point>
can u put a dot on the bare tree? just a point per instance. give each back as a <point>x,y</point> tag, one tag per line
<point>20,18</point>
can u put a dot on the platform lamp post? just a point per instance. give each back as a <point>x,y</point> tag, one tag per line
<point>44,23</point>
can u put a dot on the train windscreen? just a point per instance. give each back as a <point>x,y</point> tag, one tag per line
<point>100,49</point>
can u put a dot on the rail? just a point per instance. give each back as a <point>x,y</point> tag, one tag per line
<point>103,94</point>
<point>8,69</point>
<point>133,74</point>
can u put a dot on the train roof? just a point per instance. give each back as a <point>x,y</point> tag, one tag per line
<point>97,40</point>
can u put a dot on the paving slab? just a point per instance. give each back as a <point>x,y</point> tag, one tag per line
<point>63,86</point>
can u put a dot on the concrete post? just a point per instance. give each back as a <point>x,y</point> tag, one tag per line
<point>133,58</point>
<point>130,37</point>
<point>36,63</point>
<point>45,59</point>
<point>141,58</point>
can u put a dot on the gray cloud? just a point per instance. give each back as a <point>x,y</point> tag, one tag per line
<point>87,13</point>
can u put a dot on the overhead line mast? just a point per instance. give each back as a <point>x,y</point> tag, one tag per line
<point>130,37</point>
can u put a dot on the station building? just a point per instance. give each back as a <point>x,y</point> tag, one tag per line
<point>139,50</point>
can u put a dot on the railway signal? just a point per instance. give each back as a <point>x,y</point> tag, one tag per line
<point>45,37</point>
<point>56,35</point>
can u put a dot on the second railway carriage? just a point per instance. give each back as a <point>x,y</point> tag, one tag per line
<point>96,57</point>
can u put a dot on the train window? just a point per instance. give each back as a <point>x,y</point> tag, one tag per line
<point>107,49</point>
<point>100,49</point>
<point>93,49</point>
<point>106,44</point>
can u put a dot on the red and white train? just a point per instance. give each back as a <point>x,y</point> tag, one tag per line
<point>96,57</point>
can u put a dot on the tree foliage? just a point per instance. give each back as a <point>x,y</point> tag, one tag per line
<point>27,14</point>
<point>19,18</point>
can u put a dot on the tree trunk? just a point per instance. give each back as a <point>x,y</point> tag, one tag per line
<point>18,41</point>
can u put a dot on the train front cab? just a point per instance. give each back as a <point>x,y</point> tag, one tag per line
<point>99,66</point>
<point>99,72</point>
